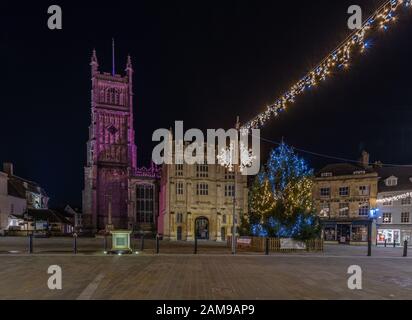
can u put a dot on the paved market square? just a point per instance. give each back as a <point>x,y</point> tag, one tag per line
<point>211,274</point>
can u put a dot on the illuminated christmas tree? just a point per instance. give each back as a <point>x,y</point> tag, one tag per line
<point>281,202</point>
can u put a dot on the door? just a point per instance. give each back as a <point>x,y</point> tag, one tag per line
<point>202,228</point>
<point>223,233</point>
<point>344,233</point>
<point>179,233</point>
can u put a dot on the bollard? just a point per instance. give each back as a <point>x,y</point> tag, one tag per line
<point>105,243</point>
<point>142,242</point>
<point>385,243</point>
<point>157,244</point>
<point>369,248</point>
<point>267,247</point>
<point>31,243</point>
<point>370,238</point>
<point>405,248</point>
<point>75,243</point>
<point>195,244</point>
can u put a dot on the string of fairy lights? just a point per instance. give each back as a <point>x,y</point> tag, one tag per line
<point>338,59</point>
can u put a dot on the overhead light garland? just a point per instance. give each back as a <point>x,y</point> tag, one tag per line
<point>394,198</point>
<point>337,59</point>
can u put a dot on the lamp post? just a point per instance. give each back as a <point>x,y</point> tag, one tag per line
<point>236,159</point>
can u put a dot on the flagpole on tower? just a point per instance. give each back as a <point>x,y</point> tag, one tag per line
<point>113,65</point>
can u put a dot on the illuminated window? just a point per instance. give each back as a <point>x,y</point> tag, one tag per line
<point>326,174</point>
<point>325,209</point>
<point>344,209</point>
<point>344,191</point>
<point>363,209</point>
<point>387,217</point>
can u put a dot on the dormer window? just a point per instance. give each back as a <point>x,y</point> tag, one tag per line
<point>391,182</point>
<point>326,174</point>
<point>359,172</point>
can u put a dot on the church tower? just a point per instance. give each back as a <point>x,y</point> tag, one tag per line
<point>111,150</point>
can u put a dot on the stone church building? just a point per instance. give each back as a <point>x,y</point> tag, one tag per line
<point>116,193</point>
<point>175,201</point>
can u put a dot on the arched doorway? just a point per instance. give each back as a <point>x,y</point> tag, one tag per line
<point>202,228</point>
<point>179,233</point>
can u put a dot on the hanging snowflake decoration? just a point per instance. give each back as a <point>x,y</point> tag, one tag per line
<point>246,157</point>
<point>226,157</point>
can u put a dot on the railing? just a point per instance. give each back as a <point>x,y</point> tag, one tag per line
<point>258,244</point>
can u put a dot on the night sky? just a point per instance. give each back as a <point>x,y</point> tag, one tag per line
<point>203,62</point>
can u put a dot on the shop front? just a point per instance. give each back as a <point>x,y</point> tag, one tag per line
<point>346,232</point>
<point>397,234</point>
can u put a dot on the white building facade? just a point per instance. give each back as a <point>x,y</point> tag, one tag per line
<point>394,223</point>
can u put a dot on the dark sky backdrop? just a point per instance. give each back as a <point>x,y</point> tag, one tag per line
<point>203,62</point>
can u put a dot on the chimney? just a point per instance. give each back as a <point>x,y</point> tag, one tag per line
<point>365,159</point>
<point>8,168</point>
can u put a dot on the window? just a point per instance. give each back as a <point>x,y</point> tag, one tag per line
<point>224,219</point>
<point>145,203</point>
<point>202,171</point>
<point>359,172</point>
<point>179,218</point>
<point>179,170</point>
<point>391,182</point>
<point>325,192</point>
<point>325,209</point>
<point>326,174</point>
<point>363,209</point>
<point>344,191</point>
<point>229,191</point>
<point>387,217</point>
<point>387,203</point>
<point>405,217</point>
<point>344,209</point>
<point>406,201</point>
<point>229,175</point>
<point>179,188</point>
<point>364,190</point>
<point>202,189</point>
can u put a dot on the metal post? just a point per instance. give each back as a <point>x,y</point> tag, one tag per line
<point>394,242</point>
<point>405,248</point>
<point>105,243</point>
<point>385,243</point>
<point>157,244</point>
<point>370,238</point>
<point>195,244</point>
<point>234,217</point>
<point>75,243</point>
<point>142,242</point>
<point>31,243</point>
<point>267,247</point>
